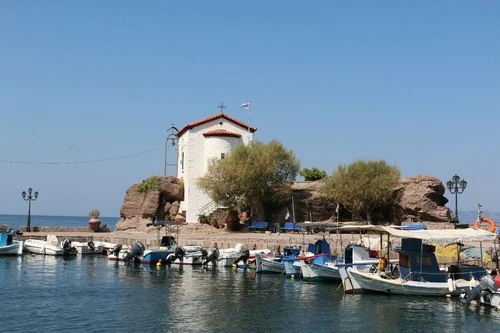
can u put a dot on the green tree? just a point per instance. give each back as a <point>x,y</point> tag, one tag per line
<point>258,176</point>
<point>362,186</point>
<point>313,174</point>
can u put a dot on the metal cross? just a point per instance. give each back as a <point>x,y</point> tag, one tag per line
<point>221,107</point>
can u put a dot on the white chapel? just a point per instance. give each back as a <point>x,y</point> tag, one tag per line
<point>212,137</point>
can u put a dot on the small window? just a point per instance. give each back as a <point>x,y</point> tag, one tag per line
<point>182,161</point>
<point>222,155</point>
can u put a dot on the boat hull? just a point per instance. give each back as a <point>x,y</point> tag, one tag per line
<point>36,246</point>
<point>13,249</point>
<point>374,282</point>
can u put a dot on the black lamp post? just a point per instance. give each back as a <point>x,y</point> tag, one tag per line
<point>29,197</point>
<point>456,186</point>
<point>172,139</point>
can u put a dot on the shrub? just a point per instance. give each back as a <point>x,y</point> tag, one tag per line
<point>150,184</point>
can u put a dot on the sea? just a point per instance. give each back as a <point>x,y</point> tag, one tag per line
<point>92,294</point>
<point>18,221</point>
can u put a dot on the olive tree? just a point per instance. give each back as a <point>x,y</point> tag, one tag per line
<point>312,174</point>
<point>256,177</point>
<point>362,186</point>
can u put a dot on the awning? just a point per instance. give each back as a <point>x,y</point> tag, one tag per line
<point>440,235</point>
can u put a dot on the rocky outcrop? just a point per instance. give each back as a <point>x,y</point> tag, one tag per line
<point>421,198</point>
<point>308,203</point>
<point>140,208</point>
<point>416,198</point>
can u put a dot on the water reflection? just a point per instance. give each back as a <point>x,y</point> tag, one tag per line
<point>121,297</point>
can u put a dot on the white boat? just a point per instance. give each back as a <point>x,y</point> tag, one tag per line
<point>288,262</point>
<point>51,246</point>
<point>247,258</point>
<point>418,272</point>
<point>88,247</point>
<point>106,246</point>
<point>8,244</point>
<point>187,255</point>
<point>269,263</point>
<point>224,257</point>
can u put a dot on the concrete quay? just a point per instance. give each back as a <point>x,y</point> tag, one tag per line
<point>194,234</point>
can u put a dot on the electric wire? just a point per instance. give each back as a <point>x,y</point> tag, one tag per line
<point>101,160</point>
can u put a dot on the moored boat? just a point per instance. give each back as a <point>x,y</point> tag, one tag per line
<point>88,247</point>
<point>418,272</point>
<point>50,246</point>
<point>8,244</point>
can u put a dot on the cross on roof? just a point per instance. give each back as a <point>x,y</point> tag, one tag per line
<point>221,107</point>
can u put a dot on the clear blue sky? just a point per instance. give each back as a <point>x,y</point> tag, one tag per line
<point>412,83</point>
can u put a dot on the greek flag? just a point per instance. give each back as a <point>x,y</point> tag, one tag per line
<point>287,216</point>
<point>246,106</point>
<point>337,209</point>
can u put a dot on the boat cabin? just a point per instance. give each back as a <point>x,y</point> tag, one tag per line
<point>321,249</point>
<point>417,262</point>
<point>6,238</point>
<point>168,241</point>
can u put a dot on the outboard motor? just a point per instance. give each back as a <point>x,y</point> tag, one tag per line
<point>178,254</point>
<point>116,249</point>
<point>66,246</point>
<point>486,285</point>
<point>244,257</point>
<point>213,257</point>
<point>136,251</point>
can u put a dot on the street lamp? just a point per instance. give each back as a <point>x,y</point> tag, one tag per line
<point>172,139</point>
<point>456,186</point>
<point>29,197</point>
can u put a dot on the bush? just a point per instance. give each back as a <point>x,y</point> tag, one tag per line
<point>150,184</point>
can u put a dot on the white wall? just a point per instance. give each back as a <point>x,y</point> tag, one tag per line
<point>195,150</point>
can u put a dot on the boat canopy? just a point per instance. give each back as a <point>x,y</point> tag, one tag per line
<point>440,235</point>
<point>429,236</point>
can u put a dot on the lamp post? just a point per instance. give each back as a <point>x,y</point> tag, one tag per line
<point>29,197</point>
<point>172,139</point>
<point>456,186</point>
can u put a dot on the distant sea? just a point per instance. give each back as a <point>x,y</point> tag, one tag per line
<point>469,217</point>
<point>17,221</point>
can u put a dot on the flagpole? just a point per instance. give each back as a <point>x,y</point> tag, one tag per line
<point>249,109</point>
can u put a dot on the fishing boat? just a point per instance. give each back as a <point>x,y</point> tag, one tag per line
<point>417,271</point>
<point>289,262</point>
<point>325,267</point>
<point>9,245</point>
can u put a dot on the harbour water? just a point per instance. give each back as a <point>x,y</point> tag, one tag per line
<point>93,294</point>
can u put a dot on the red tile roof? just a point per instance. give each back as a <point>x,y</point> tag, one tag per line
<point>216,116</point>
<point>221,132</point>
